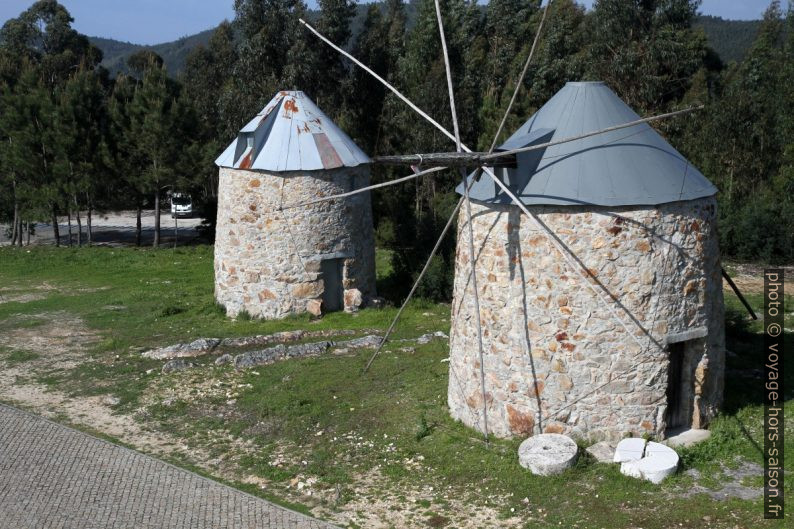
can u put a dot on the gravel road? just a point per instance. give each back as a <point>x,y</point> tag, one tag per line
<point>115,228</point>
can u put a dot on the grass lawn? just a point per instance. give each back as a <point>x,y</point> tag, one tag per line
<point>374,449</point>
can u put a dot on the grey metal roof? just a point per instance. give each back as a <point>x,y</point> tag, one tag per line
<point>631,166</point>
<point>291,134</point>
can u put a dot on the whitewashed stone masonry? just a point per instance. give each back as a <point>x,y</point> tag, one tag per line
<point>268,262</point>
<point>556,360</point>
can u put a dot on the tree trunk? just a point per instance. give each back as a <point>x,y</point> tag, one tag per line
<point>176,229</point>
<point>20,231</point>
<point>14,232</point>
<point>138,225</point>
<point>88,219</point>
<point>56,233</point>
<point>28,227</point>
<point>79,223</point>
<point>156,218</point>
<point>69,221</point>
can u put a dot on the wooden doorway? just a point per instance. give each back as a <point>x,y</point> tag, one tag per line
<point>683,359</point>
<point>333,292</point>
<point>675,375</point>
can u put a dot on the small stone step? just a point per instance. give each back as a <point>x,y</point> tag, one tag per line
<point>603,452</point>
<point>547,454</point>
<point>687,437</point>
<point>630,449</point>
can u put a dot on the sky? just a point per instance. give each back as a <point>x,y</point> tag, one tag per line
<point>156,21</point>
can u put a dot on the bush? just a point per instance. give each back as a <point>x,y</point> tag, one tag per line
<point>760,229</point>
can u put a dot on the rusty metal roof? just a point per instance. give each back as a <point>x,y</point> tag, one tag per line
<point>631,166</point>
<point>291,134</point>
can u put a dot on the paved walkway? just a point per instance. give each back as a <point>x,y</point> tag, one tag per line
<point>55,477</point>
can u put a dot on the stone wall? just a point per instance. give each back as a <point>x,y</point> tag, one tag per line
<point>268,262</point>
<point>555,357</point>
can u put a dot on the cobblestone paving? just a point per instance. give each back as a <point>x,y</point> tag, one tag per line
<point>54,477</point>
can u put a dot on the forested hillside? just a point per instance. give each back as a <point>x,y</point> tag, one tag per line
<point>74,138</point>
<point>729,38</point>
<point>115,53</point>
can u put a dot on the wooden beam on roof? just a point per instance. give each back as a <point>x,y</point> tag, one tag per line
<point>445,159</point>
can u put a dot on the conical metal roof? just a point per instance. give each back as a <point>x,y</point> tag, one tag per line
<point>631,166</point>
<point>291,134</point>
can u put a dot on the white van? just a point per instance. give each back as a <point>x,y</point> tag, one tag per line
<point>181,205</point>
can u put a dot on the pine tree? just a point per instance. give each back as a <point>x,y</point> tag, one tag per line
<point>122,157</point>
<point>153,128</point>
<point>29,149</point>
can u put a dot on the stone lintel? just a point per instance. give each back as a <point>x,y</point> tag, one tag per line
<point>333,255</point>
<point>691,334</point>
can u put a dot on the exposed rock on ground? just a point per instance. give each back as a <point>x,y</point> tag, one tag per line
<point>283,352</point>
<point>224,359</point>
<point>177,364</point>
<point>175,354</point>
<point>204,346</point>
<point>734,488</point>
<point>184,350</point>
<point>279,352</point>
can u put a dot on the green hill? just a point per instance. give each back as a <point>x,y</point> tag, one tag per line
<point>173,53</point>
<point>729,38</point>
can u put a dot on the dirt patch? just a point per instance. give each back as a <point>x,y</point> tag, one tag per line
<point>22,293</point>
<point>59,339</point>
<point>750,279</point>
<point>20,298</point>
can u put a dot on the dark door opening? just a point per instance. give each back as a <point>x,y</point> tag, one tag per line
<point>333,294</point>
<point>676,413</point>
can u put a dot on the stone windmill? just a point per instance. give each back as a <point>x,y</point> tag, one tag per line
<point>587,282</point>
<point>642,221</point>
<point>271,262</point>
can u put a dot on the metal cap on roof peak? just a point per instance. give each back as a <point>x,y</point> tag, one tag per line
<point>631,166</point>
<point>291,134</point>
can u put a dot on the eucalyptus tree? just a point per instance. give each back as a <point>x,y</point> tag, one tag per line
<point>331,69</point>
<point>560,56</point>
<point>646,50</point>
<point>364,99</point>
<point>743,146</point>
<point>420,74</point>
<point>268,30</point>
<point>208,87</point>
